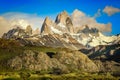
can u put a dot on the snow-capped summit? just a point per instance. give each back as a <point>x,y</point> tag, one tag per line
<point>61,33</point>
<point>63,24</point>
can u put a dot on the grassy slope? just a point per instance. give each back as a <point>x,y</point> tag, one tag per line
<point>70,76</point>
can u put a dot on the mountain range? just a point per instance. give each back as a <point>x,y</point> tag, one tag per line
<point>86,48</point>
<point>61,33</point>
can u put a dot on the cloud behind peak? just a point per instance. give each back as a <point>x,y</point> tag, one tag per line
<point>80,19</point>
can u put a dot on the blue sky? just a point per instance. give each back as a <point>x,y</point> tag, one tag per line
<point>53,7</point>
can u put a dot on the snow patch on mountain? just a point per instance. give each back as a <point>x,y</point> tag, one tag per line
<point>54,30</point>
<point>61,25</point>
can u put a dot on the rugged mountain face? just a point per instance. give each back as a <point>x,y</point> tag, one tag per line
<point>64,61</point>
<point>87,30</point>
<point>107,57</point>
<point>63,19</point>
<point>46,27</point>
<point>91,37</point>
<point>61,33</point>
<point>76,61</point>
<point>28,30</point>
<point>16,32</point>
<point>63,41</point>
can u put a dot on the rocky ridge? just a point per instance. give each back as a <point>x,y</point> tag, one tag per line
<point>106,57</point>
<point>61,33</point>
<point>65,61</point>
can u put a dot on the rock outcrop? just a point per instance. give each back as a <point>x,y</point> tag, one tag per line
<point>13,33</point>
<point>63,41</point>
<point>106,57</point>
<point>46,27</point>
<point>36,61</point>
<point>76,61</point>
<point>87,30</point>
<point>28,30</point>
<point>61,18</point>
<point>65,61</point>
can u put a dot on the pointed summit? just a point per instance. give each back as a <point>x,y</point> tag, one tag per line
<point>46,26</point>
<point>48,20</point>
<point>61,18</point>
<point>64,19</point>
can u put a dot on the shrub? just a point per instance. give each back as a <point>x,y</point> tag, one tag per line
<point>57,71</point>
<point>10,79</point>
<point>24,75</point>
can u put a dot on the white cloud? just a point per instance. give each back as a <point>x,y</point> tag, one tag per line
<point>12,19</point>
<point>80,19</point>
<point>98,14</point>
<point>4,25</point>
<point>111,10</point>
<point>24,19</point>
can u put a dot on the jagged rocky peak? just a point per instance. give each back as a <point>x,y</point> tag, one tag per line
<point>87,29</point>
<point>63,19</point>
<point>13,33</point>
<point>48,20</point>
<point>46,27</point>
<point>18,32</point>
<point>28,30</point>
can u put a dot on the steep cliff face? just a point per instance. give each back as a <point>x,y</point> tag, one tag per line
<point>63,20</point>
<point>46,27</point>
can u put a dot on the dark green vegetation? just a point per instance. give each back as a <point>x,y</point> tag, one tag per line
<point>12,48</point>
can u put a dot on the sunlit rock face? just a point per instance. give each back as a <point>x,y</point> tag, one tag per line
<point>64,20</point>
<point>46,27</point>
